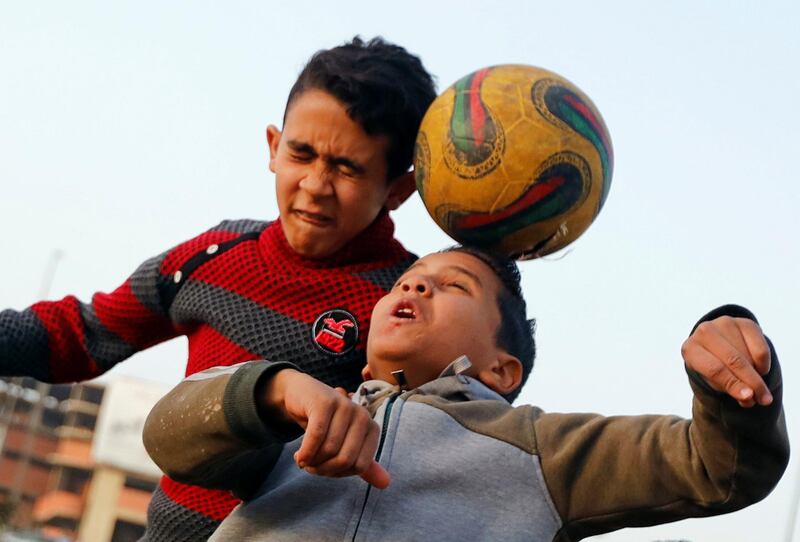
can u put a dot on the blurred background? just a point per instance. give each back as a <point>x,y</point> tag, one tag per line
<point>128,127</point>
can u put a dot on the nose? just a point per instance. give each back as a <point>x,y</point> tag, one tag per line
<point>418,284</point>
<point>317,181</point>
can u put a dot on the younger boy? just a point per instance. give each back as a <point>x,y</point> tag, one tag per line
<point>464,464</point>
<point>300,288</point>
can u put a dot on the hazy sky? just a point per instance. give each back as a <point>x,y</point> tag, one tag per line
<point>127,127</point>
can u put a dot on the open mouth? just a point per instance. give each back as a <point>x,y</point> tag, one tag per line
<point>405,311</point>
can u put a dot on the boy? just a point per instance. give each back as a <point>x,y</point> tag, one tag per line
<point>299,288</point>
<point>464,464</point>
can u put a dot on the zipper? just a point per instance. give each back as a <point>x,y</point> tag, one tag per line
<point>385,425</point>
<point>384,428</point>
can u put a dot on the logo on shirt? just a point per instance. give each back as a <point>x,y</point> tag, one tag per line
<point>335,332</point>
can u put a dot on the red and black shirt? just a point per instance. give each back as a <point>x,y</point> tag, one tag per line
<point>238,292</point>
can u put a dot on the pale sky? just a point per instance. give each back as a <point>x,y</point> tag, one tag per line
<point>127,127</point>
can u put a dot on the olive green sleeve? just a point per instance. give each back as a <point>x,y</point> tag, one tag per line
<point>606,473</point>
<point>208,431</point>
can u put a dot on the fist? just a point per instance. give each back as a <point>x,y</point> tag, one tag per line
<point>340,436</point>
<point>732,355</point>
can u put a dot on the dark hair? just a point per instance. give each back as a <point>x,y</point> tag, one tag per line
<point>384,88</point>
<point>515,333</point>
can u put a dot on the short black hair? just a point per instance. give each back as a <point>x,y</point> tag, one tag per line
<point>516,332</point>
<point>383,87</point>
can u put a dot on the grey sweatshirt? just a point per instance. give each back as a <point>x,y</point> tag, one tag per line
<point>466,465</point>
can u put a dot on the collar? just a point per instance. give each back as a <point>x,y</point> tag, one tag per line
<point>450,384</point>
<point>373,246</point>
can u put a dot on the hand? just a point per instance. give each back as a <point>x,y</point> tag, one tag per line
<point>731,354</point>
<point>340,436</point>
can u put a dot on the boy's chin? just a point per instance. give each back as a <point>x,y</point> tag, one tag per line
<point>381,368</point>
<point>308,241</point>
<point>385,358</point>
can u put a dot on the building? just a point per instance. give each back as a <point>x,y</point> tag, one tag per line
<point>72,464</point>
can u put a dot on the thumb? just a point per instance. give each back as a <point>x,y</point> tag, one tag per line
<point>377,476</point>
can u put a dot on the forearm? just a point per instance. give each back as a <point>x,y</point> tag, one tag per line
<point>744,450</point>
<point>755,435</point>
<point>58,341</point>
<point>69,340</point>
<point>608,473</point>
<point>654,469</point>
<point>23,345</point>
<point>210,430</point>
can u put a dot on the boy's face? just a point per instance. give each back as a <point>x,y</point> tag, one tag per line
<point>330,175</point>
<point>444,306</point>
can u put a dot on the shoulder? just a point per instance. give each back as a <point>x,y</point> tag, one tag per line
<point>494,418</point>
<point>225,231</point>
<point>244,225</point>
<point>384,273</point>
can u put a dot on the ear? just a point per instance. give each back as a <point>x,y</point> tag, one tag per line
<point>273,139</point>
<point>366,373</point>
<point>400,189</point>
<point>503,375</point>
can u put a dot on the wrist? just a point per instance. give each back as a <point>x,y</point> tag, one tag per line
<point>271,396</point>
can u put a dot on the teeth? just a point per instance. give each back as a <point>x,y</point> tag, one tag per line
<point>405,312</point>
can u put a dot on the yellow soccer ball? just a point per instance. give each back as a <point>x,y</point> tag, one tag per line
<point>513,159</point>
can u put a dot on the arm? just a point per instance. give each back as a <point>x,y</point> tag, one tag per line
<point>224,428</point>
<point>209,431</point>
<point>69,340</point>
<point>608,473</point>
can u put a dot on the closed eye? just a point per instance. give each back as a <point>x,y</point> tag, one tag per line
<point>347,167</point>
<point>348,172</point>
<point>458,286</point>
<point>300,151</point>
<point>300,157</point>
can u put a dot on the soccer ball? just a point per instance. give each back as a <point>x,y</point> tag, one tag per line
<point>513,159</point>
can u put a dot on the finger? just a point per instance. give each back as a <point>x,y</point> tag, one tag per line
<point>316,430</point>
<point>738,362</point>
<point>362,433</point>
<point>730,331</point>
<point>716,373</point>
<point>727,329</point>
<point>369,448</point>
<point>377,476</point>
<point>746,337</point>
<point>337,431</point>
<point>342,391</point>
<point>756,344</point>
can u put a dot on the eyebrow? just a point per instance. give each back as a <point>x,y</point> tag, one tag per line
<point>302,147</point>
<point>468,273</point>
<point>299,146</point>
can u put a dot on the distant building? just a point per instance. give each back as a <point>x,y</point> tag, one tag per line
<point>72,463</point>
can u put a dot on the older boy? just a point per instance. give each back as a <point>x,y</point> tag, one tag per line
<point>464,464</point>
<point>300,288</point>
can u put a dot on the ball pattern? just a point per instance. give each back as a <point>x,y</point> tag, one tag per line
<point>513,159</point>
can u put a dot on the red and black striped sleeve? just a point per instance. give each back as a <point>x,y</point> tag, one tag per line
<point>70,340</point>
